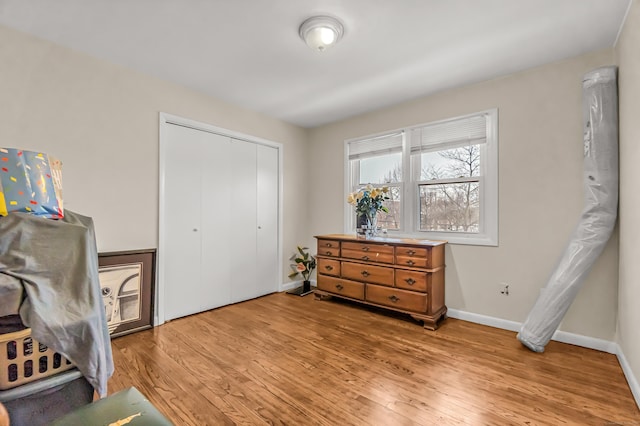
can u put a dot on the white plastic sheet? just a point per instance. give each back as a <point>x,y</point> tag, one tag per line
<point>600,109</point>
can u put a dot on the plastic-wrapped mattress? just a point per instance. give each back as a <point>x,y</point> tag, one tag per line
<point>600,111</point>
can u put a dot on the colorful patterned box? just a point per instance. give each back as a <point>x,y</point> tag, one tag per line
<point>30,182</point>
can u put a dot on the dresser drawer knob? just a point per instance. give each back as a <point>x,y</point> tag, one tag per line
<point>410,281</point>
<point>393,298</point>
<point>339,286</point>
<point>410,262</point>
<point>328,253</point>
<point>328,244</point>
<point>365,257</point>
<point>411,252</point>
<point>365,273</point>
<point>365,248</point>
<point>329,268</point>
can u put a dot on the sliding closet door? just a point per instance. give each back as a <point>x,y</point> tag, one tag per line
<point>196,214</point>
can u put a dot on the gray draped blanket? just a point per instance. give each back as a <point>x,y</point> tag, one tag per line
<point>49,274</point>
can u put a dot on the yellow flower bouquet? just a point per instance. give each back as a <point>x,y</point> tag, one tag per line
<point>368,202</point>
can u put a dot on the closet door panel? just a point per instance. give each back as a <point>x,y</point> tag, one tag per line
<point>216,215</point>
<point>267,210</point>
<point>183,222</point>
<point>243,222</point>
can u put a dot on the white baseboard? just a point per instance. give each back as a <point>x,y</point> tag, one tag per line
<point>484,320</point>
<point>290,285</point>
<point>586,342</point>
<point>293,284</point>
<point>560,336</point>
<point>628,374</point>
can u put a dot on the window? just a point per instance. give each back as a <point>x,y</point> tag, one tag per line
<point>442,176</point>
<point>378,161</point>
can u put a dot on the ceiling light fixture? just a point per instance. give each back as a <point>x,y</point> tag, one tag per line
<point>321,32</point>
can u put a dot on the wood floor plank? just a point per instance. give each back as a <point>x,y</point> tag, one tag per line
<point>173,386</point>
<point>230,376</point>
<point>283,359</point>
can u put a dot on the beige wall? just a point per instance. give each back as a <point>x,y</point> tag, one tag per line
<point>101,120</point>
<point>629,284</point>
<point>540,190</point>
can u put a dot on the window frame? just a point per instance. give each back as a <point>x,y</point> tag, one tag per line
<point>410,204</point>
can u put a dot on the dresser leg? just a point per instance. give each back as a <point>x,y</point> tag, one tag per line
<point>430,325</point>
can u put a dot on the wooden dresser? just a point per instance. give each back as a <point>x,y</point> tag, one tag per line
<point>404,275</point>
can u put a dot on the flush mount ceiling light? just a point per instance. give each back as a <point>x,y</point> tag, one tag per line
<point>321,32</point>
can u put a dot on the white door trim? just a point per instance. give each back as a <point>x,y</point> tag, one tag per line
<point>168,119</point>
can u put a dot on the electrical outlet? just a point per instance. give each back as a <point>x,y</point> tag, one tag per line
<point>504,289</point>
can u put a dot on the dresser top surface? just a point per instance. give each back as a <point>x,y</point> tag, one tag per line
<point>382,240</point>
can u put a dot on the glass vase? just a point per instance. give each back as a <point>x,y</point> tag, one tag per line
<point>372,225</point>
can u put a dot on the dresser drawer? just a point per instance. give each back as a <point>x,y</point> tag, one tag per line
<point>368,256</point>
<point>420,257</point>
<point>413,262</point>
<point>367,273</point>
<point>328,267</point>
<point>342,287</point>
<point>412,251</point>
<point>412,280</point>
<point>368,248</point>
<point>328,251</point>
<point>401,299</point>
<point>329,248</point>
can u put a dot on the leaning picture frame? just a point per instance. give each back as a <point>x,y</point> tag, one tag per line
<point>127,282</point>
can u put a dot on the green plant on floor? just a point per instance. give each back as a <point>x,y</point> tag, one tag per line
<point>304,264</point>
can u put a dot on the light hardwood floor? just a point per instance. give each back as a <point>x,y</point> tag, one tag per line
<point>284,359</point>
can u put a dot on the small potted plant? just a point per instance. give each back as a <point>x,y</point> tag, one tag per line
<point>304,265</point>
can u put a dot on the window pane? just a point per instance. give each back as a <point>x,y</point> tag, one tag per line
<point>453,207</point>
<point>391,220</point>
<point>450,163</point>
<point>381,169</point>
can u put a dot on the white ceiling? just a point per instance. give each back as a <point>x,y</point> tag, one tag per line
<point>247,52</point>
